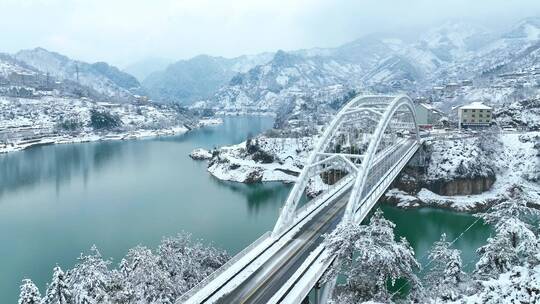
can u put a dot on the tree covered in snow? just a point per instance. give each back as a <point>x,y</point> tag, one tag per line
<point>58,291</point>
<point>372,259</point>
<point>89,280</point>
<point>141,276</point>
<point>150,282</point>
<point>187,262</point>
<point>446,272</point>
<point>462,158</point>
<point>104,120</point>
<point>514,242</point>
<point>518,285</point>
<point>29,293</point>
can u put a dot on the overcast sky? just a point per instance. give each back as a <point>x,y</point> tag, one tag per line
<point>123,31</point>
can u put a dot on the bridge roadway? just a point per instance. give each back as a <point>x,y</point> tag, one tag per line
<point>262,284</point>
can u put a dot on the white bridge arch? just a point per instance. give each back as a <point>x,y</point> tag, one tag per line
<point>364,129</point>
<point>358,156</point>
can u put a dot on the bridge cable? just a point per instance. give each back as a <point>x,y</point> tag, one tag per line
<point>451,244</point>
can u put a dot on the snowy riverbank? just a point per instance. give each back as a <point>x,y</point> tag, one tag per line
<point>26,122</point>
<point>89,137</point>
<point>514,161</point>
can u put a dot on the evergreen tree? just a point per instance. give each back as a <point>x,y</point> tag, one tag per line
<point>29,293</point>
<point>446,272</point>
<point>149,281</point>
<point>90,279</point>
<point>58,291</point>
<point>188,261</point>
<point>514,242</point>
<point>372,258</point>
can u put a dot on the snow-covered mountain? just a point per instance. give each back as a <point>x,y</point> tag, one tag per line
<point>19,79</point>
<point>101,77</point>
<point>198,78</point>
<point>467,61</point>
<point>455,40</point>
<point>141,69</point>
<point>287,77</point>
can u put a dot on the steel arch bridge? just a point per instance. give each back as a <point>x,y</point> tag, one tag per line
<point>359,154</point>
<point>361,130</point>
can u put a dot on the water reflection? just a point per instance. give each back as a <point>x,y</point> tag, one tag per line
<point>58,164</point>
<point>259,195</point>
<point>422,227</point>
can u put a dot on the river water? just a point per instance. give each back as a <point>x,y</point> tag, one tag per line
<point>57,201</point>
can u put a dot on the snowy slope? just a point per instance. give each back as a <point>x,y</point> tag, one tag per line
<point>101,77</point>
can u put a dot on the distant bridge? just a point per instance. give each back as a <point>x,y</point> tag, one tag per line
<point>361,152</point>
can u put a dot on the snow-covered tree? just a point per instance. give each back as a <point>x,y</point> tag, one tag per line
<point>519,285</point>
<point>150,283</point>
<point>141,277</point>
<point>188,261</point>
<point>445,275</point>
<point>372,259</point>
<point>89,281</point>
<point>29,293</point>
<point>514,242</point>
<point>58,291</point>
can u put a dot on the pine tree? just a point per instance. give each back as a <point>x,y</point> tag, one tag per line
<point>188,261</point>
<point>372,258</point>
<point>58,291</point>
<point>90,279</point>
<point>150,282</point>
<point>29,293</point>
<point>446,272</point>
<point>514,242</point>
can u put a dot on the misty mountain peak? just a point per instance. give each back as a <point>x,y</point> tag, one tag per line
<point>282,58</point>
<point>528,29</point>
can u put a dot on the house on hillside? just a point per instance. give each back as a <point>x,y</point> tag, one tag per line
<point>475,115</point>
<point>427,115</point>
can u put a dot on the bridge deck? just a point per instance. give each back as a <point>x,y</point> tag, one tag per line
<point>269,271</point>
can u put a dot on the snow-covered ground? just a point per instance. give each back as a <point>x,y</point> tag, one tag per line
<point>512,159</point>
<point>200,154</point>
<point>269,159</point>
<point>29,122</point>
<point>515,162</point>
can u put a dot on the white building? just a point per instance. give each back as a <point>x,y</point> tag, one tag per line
<point>475,114</point>
<point>427,115</point>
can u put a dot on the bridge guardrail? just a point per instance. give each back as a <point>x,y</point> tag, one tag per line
<point>223,268</point>
<point>316,201</point>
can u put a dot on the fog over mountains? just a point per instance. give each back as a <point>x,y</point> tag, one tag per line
<point>452,52</point>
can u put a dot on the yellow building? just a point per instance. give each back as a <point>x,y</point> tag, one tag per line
<point>475,114</point>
